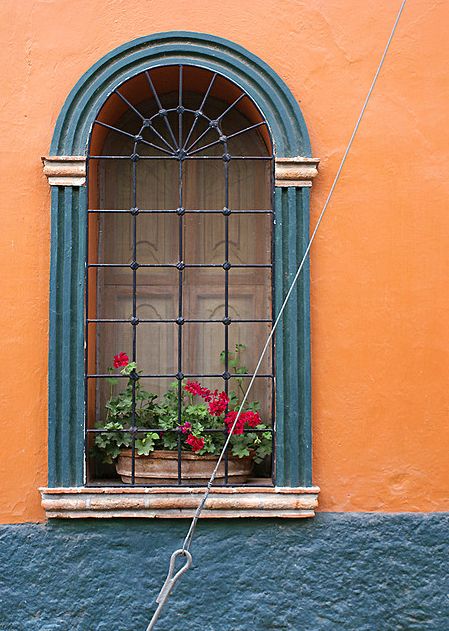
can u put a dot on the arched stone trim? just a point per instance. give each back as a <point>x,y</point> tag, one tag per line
<point>65,169</point>
<point>266,88</point>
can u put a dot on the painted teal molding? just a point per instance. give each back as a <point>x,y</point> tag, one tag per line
<point>337,572</point>
<point>71,137</point>
<point>267,89</point>
<point>293,381</point>
<point>66,349</point>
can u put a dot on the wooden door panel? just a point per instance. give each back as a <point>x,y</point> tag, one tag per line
<point>203,343</point>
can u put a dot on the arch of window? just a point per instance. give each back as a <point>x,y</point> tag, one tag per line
<point>66,170</point>
<point>180,171</point>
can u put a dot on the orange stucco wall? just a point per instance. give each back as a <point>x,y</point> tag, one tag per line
<point>380,265</point>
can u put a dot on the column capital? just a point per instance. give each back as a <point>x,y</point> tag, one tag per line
<point>296,171</point>
<point>65,170</point>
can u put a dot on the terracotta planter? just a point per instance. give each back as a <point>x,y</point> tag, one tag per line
<point>161,467</point>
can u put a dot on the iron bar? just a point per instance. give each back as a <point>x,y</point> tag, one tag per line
<point>228,109</point>
<point>134,330</point>
<point>86,342</point>
<point>200,109</point>
<point>173,156</point>
<point>130,105</point>
<point>236,133</point>
<point>136,138</point>
<point>226,298</point>
<point>142,430</point>
<point>174,375</point>
<point>162,112</point>
<point>273,316</point>
<point>174,320</point>
<point>180,279</point>
<point>184,265</point>
<point>175,211</point>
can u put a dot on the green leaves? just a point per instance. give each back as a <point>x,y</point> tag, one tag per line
<point>129,368</point>
<point>264,445</point>
<point>111,441</point>
<point>146,444</point>
<point>234,362</point>
<point>170,441</point>
<point>211,444</point>
<point>167,420</point>
<point>233,400</point>
<point>113,381</point>
<point>196,412</point>
<point>240,450</point>
<point>119,417</point>
<point>135,406</point>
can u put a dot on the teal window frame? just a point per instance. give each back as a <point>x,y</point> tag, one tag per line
<point>68,247</point>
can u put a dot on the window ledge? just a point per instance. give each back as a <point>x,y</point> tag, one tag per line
<point>175,502</point>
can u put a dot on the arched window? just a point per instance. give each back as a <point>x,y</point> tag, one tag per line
<point>191,226</point>
<point>180,172</point>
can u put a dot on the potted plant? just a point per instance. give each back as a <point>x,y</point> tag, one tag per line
<point>156,447</point>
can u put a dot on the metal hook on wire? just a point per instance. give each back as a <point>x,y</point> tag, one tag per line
<point>170,582</point>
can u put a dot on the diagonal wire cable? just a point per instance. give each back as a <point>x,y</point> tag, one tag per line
<point>189,537</point>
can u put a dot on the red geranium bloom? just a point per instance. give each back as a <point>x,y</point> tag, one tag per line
<point>195,442</point>
<point>252,418</point>
<point>121,360</point>
<point>218,403</point>
<point>185,428</point>
<point>230,419</point>
<point>195,388</point>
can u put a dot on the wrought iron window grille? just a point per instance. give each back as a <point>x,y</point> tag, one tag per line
<point>175,138</point>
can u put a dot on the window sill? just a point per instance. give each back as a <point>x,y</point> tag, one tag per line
<point>175,502</point>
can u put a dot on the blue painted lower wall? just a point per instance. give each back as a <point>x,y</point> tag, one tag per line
<point>337,571</point>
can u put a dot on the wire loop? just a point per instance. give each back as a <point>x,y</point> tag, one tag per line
<point>170,582</point>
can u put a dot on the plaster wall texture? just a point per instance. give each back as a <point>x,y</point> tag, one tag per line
<point>352,572</point>
<point>380,334</point>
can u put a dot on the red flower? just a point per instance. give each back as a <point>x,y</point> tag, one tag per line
<point>195,442</point>
<point>230,419</point>
<point>121,360</point>
<point>251,418</point>
<point>195,388</point>
<point>185,428</point>
<point>218,403</point>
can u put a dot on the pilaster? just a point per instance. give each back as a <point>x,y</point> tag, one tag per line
<point>66,176</point>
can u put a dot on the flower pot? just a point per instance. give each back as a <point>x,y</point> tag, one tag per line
<point>161,467</point>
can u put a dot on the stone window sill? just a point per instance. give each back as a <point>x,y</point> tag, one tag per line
<point>175,502</point>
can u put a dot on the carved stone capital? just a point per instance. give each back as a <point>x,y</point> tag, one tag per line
<point>65,170</point>
<point>295,171</point>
